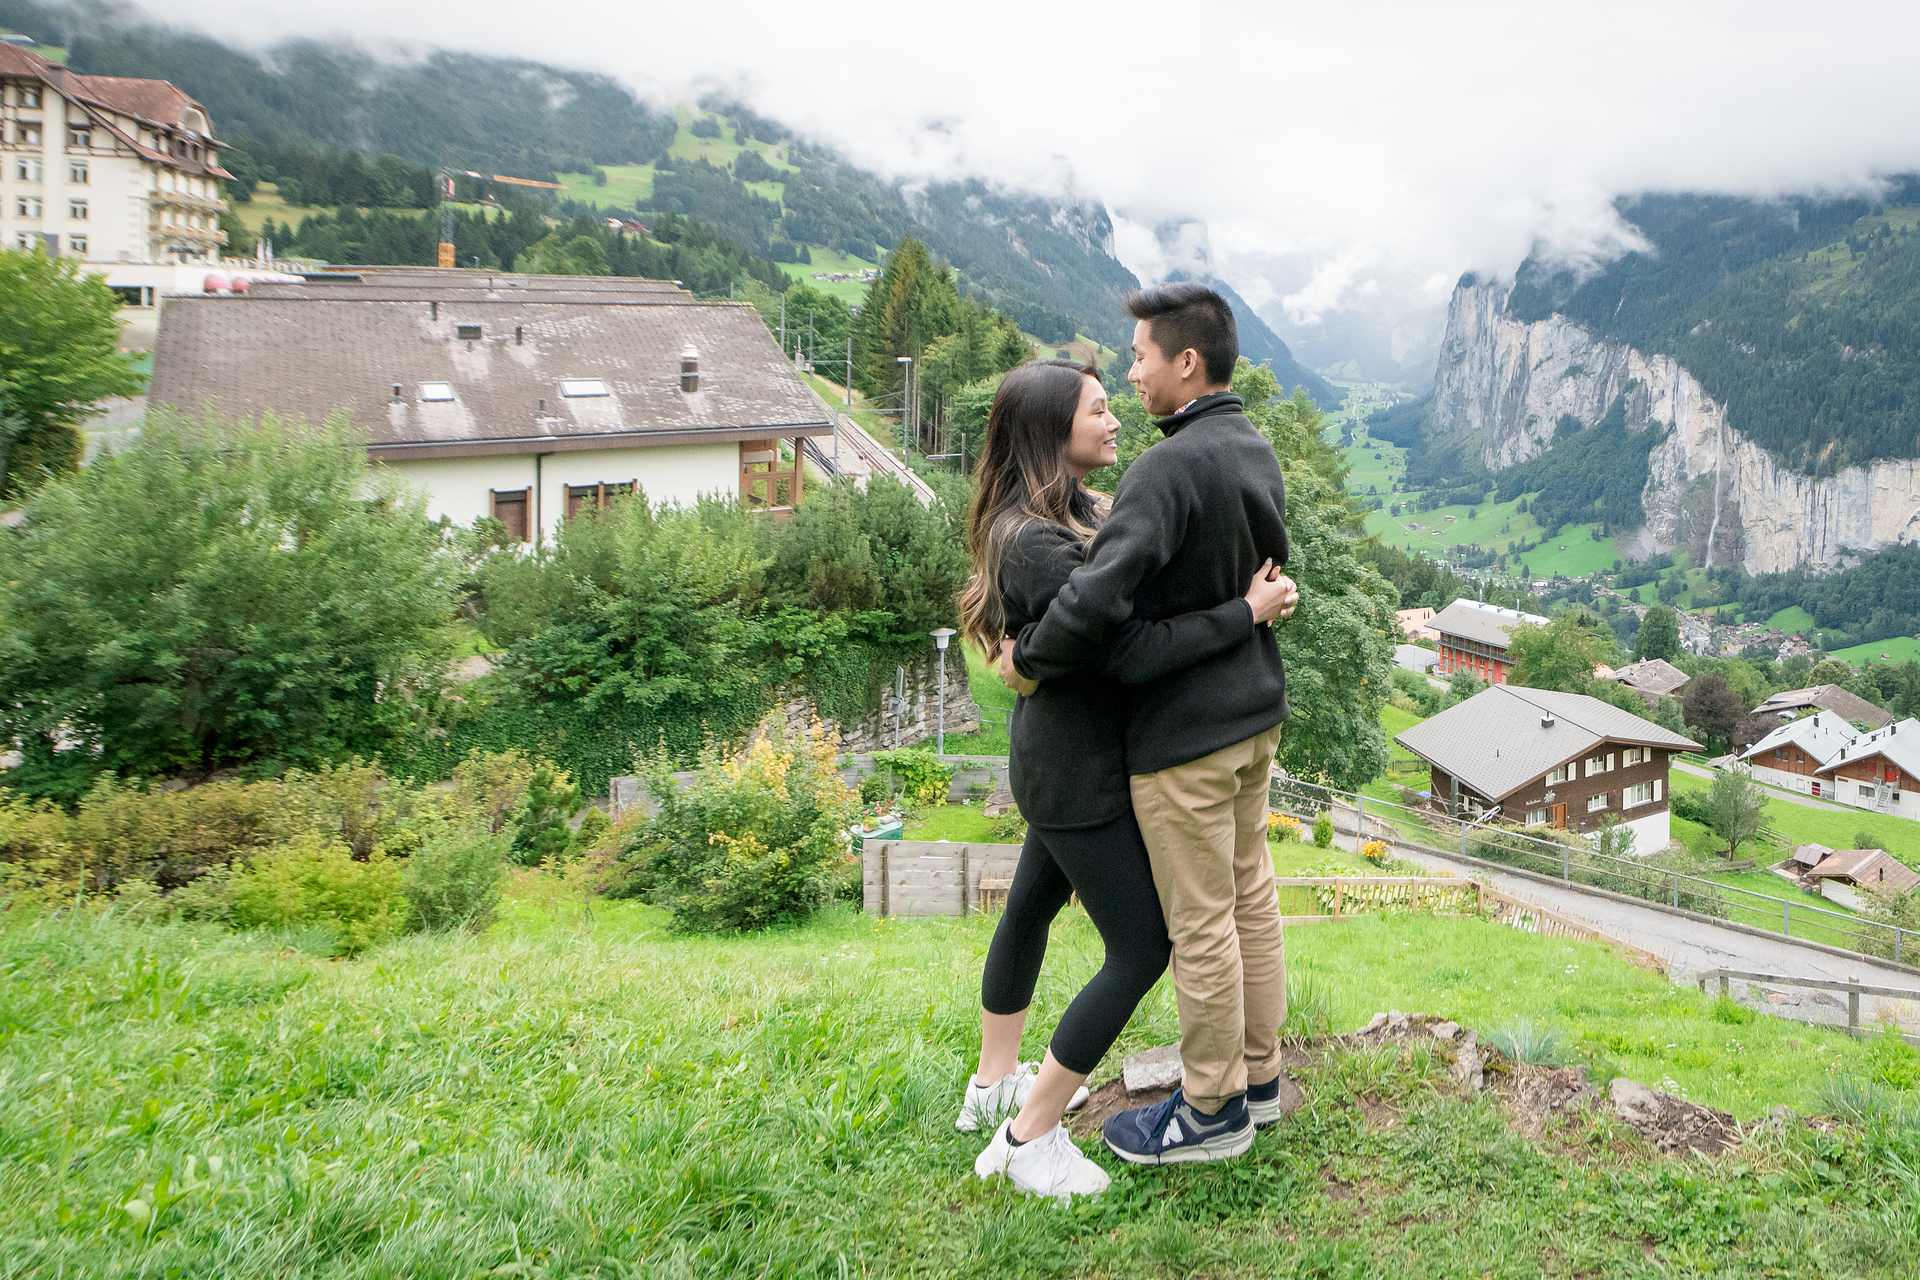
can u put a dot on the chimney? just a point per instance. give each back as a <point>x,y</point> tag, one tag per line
<point>433,312</point>
<point>519,334</point>
<point>396,391</point>
<point>543,406</point>
<point>689,369</point>
<point>1546,719</point>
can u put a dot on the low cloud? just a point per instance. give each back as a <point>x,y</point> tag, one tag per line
<point>1338,157</point>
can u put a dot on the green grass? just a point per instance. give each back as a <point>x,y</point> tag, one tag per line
<point>828,262</point>
<point>722,150</point>
<point>966,823</point>
<point>1893,649</point>
<point>1079,347</point>
<point>995,703</point>
<point>1792,619</point>
<point>628,186</point>
<point>1797,824</point>
<point>266,203</point>
<point>580,1093</point>
<point>54,53</point>
<point>1573,552</point>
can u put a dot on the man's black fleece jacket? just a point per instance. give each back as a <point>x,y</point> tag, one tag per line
<point>1193,518</point>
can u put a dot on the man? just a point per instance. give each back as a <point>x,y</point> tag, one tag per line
<point>1194,519</point>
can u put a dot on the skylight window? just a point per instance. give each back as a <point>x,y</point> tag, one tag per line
<point>576,388</point>
<point>436,391</point>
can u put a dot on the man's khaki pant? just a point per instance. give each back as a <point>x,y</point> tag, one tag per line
<point>1205,824</point>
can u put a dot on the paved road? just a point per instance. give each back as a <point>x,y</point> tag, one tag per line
<point>1690,947</point>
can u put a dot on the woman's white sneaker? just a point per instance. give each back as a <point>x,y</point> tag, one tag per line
<point>1050,1165</point>
<point>986,1105</point>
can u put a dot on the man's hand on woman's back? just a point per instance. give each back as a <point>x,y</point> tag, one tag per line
<point>1002,659</point>
<point>1272,594</point>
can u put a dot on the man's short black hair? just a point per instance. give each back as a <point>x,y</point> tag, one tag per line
<point>1184,314</point>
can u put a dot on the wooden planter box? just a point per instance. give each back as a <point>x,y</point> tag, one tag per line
<point>933,877</point>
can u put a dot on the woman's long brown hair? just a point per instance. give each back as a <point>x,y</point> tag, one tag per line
<point>1022,477</point>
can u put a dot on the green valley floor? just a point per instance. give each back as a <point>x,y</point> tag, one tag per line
<point>579,1092</point>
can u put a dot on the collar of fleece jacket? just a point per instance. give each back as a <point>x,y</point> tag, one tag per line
<point>1205,406</point>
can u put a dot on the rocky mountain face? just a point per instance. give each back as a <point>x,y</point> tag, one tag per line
<point>1502,385</point>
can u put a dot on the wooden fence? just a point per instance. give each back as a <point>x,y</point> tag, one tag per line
<point>933,877</point>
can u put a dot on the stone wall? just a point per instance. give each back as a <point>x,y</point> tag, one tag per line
<point>901,722</point>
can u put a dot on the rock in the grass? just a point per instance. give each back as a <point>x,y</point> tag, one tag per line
<point>1470,1066</point>
<point>1374,1024</point>
<point>1000,802</point>
<point>1152,1069</point>
<point>1396,1020</point>
<point>1445,1030</point>
<point>1633,1101</point>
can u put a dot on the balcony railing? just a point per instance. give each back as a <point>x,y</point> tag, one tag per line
<point>182,200</point>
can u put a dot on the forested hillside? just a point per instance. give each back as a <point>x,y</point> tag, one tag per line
<point>1802,316</point>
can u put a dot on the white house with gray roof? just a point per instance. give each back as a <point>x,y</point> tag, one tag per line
<point>1879,770</point>
<point>523,402</point>
<point>1794,754</point>
<point>1543,758</point>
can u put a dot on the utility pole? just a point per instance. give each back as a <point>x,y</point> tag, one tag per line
<point>849,386</point>
<point>783,325</point>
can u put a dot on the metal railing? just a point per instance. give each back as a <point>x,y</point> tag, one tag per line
<point>1574,863</point>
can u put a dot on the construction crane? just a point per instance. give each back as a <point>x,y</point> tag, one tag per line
<point>444,259</point>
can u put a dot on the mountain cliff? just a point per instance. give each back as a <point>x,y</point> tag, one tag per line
<point>1766,342</point>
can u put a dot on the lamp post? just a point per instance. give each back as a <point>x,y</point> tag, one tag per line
<point>940,637</point>
<point>909,409</point>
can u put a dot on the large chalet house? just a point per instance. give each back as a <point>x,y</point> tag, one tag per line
<point>1548,759</point>
<point>1652,678</point>
<point>507,397</point>
<point>1825,697</point>
<point>121,173</point>
<point>1473,637</point>
<point>1827,756</point>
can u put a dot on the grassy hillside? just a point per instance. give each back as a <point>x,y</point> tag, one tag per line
<point>833,262</point>
<point>1894,649</point>
<point>267,202</point>
<point>579,1090</point>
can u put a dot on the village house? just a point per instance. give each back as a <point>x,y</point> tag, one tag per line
<point>121,173</point>
<point>1473,637</point>
<point>1793,755</point>
<point>1543,758</point>
<point>1879,770</point>
<point>519,403</point>
<point>1825,697</point>
<point>1414,624</point>
<point>1837,873</point>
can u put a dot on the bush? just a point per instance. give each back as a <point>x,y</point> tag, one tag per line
<point>453,880</point>
<point>757,838</point>
<point>919,774</point>
<point>491,787</point>
<point>312,881</point>
<point>540,829</point>
<point>123,831</point>
<point>1282,827</point>
<point>1690,806</point>
<point>594,832</point>
<point>1323,830</point>
<point>1374,851</point>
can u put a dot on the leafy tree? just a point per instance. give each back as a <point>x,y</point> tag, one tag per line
<point>59,357</point>
<point>1560,655</point>
<point>1659,635</point>
<point>284,595</point>
<point>579,255</point>
<point>1712,708</point>
<point>1736,808</point>
<point>540,829</point>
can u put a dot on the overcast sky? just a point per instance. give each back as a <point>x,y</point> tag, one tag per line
<point>1350,154</point>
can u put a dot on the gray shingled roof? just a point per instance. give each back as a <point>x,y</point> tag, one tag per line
<point>386,291</point>
<point>1833,698</point>
<point>1822,735</point>
<point>438,278</point>
<point>1899,743</point>
<point>1495,742</point>
<point>1488,624</point>
<point>307,358</point>
<point>1652,675</point>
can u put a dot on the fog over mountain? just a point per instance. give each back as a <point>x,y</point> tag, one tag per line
<point>1345,163</point>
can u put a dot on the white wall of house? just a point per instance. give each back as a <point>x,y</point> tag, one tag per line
<point>1791,781</point>
<point>1849,791</point>
<point>461,488</point>
<point>1651,833</point>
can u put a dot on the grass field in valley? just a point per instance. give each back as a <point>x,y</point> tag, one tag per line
<point>580,1093</point>
<point>1894,649</point>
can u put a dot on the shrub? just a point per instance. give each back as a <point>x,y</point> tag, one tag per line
<point>1008,828</point>
<point>453,880</point>
<point>876,789</point>
<point>920,775</point>
<point>1283,827</point>
<point>1688,805</point>
<point>312,881</point>
<point>1374,851</point>
<point>123,831</point>
<point>34,848</point>
<point>594,832</point>
<point>1865,839</point>
<point>540,829</point>
<point>1522,1041</point>
<point>491,786</point>
<point>757,838</point>
<point>1323,830</point>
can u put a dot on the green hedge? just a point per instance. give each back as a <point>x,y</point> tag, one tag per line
<point>595,744</point>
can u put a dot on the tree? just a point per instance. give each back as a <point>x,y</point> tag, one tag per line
<point>1560,655</point>
<point>1712,708</point>
<point>59,357</point>
<point>581,255</point>
<point>1659,635</point>
<point>284,592</point>
<point>1736,808</point>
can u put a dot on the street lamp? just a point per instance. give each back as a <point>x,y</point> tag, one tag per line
<point>940,637</point>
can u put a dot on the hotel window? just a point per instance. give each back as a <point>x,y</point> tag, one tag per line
<point>25,241</point>
<point>27,206</point>
<point>1597,803</point>
<point>1632,756</point>
<point>1536,817</point>
<point>77,210</point>
<point>77,173</point>
<point>1866,792</point>
<point>1561,773</point>
<point>79,139</point>
<point>509,507</point>
<point>1644,793</point>
<point>77,245</point>
<point>26,134</point>
<point>26,169</point>
<point>29,95</point>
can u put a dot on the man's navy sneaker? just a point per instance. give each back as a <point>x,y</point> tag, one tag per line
<point>1172,1132</point>
<point>1263,1103</point>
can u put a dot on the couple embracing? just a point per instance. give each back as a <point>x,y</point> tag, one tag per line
<point>1139,636</point>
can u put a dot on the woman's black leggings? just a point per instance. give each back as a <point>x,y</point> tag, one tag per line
<point>1107,866</point>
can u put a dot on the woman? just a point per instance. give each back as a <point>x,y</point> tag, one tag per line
<point>1031,521</point>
